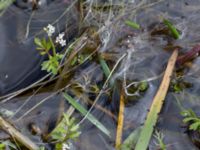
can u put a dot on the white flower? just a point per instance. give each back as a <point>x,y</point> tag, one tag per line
<point>49,29</point>
<point>65,146</point>
<point>60,40</point>
<point>61,35</point>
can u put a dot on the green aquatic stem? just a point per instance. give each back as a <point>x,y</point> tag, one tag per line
<point>132,24</point>
<point>85,113</point>
<point>172,28</point>
<point>130,142</point>
<point>106,69</point>
<point>53,46</point>
<point>104,66</point>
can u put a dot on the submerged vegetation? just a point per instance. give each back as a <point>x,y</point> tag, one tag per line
<point>67,130</point>
<point>159,140</point>
<point>191,119</point>
<point>104,81</point>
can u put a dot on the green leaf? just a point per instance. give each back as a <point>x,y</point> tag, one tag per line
<point>132,24</point>
<point>177,88</point>
<point>45,65</point>
<point>104,66</point>
<point>48,46</point>
<point>188,113</point>
<point>130,142</point>
<point>84,112</point>
<point>42,148</point>
<point>143,86</point>
<point>66,130</point>
<point>42,53</point>
<point>172,28</point>
<point>2,146</point>
<point>5,4</point>
<point>106,69</point>
<point>188,119</point>
<point>195,126</point>
<point>44,42</point>
<point>37,41</point>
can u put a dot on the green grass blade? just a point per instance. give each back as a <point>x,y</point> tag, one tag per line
<point>83,111</point>
<point>132,24</point>
<point>172,28</point>
<point>106,69</point>
<point>5,3</point>
<point>104,66</point>
<point>130,142</point>
<point>152,116</point>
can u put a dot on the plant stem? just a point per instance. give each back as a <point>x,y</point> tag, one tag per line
<point>53,46</point>
<point>172,28</point>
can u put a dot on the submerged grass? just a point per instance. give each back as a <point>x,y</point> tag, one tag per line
<point>4,4</point>
<point>156,106</point>
<point>130,142</point>
<point>106,70</point>
<point>89,116</point>
<point>132,24</point>
<point>172,28</point>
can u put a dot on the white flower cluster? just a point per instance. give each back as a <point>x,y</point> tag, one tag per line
<point>65,146</point>
<point>60,40</point>
<point>49,29</point>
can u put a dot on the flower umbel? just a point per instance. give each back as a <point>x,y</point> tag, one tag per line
<point>49,29</point>
<point>65,146</point>
<point>60,40</point>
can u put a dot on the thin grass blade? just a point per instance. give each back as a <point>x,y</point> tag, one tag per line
<point>83,111</point>
<point>172,28</point>
<point>132,24</point>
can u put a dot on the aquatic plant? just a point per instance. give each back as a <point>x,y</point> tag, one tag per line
<point>47,47</point>
<point>130,142</point>
<point>172,28</point>
<point>159,137</point>
<point>178,85</point>
<point>132,24</point>
<point>65,131</point>
<point>191,119</point>
<point>7,144</point>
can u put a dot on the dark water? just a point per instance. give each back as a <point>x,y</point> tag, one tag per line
<point>145,61</point>
<point>20,62</point>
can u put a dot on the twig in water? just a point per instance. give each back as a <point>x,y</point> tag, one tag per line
<point>17,135</point>
<point>120,121</point>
